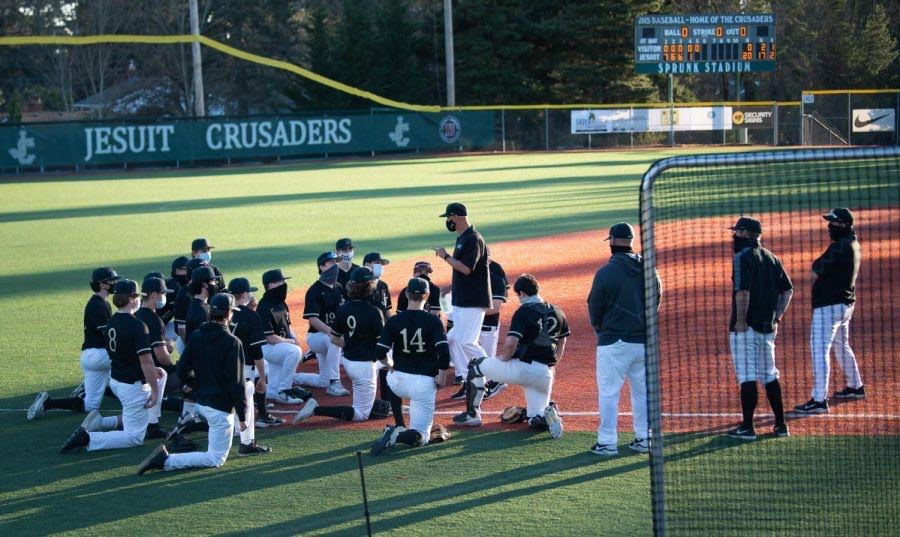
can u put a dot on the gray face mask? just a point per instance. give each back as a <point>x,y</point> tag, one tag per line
<point>161,303</point>
<point>206,256</point>
<point>330,275</point>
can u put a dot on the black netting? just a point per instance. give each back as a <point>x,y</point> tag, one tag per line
<point>836,474</point>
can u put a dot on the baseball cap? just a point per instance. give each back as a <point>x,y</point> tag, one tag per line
<point>362,274</point>
<point>343,244</point>
<point>375,257</point>
<point>274,275</point>
<point>103,274</point>
<point>417,286</point>
<point>423,265</point>
<point>622,230</point>
<point>221,303</point>
<point>325,256</point>
<point>196,263</point>
<point>455,209</point>
<point>202,274</point>
<point>126,287</point>
<point>839,214</point>
<point>241,285</point>
<point>746,223</point>
<point>154,285</point>
<point>155,274</point>
<point>200,244</point>
<point>180,261</point>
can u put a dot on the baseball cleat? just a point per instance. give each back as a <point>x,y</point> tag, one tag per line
<point>77,440</point>
<point>270,406</point>
<point>156,460</point>
<point>285,398</point>
<point>308,356</point>
<point>851,393</point>
<point>781,430</point>
<point>37,407</point>
<point>268,421</point>
<point>605,450</point>
<point>387,439</point>
<point>78,391</point>
<point>460,394</point>
<point>812,407</point>
<point>91,423</point>
<point>154,431</point>
<point>554,421</point>
<point>467,419</point>
<point>247,450</point>
<point>305,412</point>
<point>335,389</point>
<point>180,444</point>
<point>743,433</point>
<point>492,389</point>
<point>641,445</point>
<point>457,379</point>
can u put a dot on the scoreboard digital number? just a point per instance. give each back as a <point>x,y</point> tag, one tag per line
<point>696,44</point>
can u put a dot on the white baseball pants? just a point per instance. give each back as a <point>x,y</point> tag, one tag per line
<point>172,335</point>
<point>831,329</point>
<point>536,378</point>
<point>329,357</point>
<point>615,363</point>
<point>463,338</point>
<point>753,355</point>
<point>420,390</point>
<point>249,434</point>
<point>488,341</point>
<point>135,417</point>
<point>220,426</point>
<point>96,366</point>
<point>281,364</point>
<point>364,377</point>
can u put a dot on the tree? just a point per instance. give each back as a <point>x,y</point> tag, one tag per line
<point>877,48</point>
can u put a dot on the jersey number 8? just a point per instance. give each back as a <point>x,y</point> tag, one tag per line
<point>112,339</point>
<point>416,341</point>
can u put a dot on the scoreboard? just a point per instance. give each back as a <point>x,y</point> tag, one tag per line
<point>696,44</point>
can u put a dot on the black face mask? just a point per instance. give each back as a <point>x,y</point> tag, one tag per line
<point>741,243</point>
<point>182,279</point>
<point>212,288</point>
<point>837,232</point>
<point>278,294</point>
<point>621,249</point>
<point>451,225</point>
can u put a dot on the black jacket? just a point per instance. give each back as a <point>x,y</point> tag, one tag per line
<point>215,358</point>
<point>837,269</point>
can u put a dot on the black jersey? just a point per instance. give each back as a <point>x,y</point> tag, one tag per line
<point>182,303</point>
<point>344,278</point>
<point>472,290</point>
<point>419,342</point>
<point>837,269</point>
<point>198,313</point>
<point>214,358</point>
<point>759,272</point>
<point>96,314</point>
<point>167,312</point>
<point>434,297</point>
<point>381,298</point>
<point>360,323</point>
<point>499,290</point>
<point>275,318</point>
<point>322,302</point>
<point>156,330</point>
<point>539,326</point>
<point>248,327</point>
<point>128,338</point>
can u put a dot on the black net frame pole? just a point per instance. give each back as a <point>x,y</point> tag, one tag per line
<point>651,302</point>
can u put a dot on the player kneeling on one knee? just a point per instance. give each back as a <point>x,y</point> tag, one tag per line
<point>357,325</point>
<point>421,358</point>
<point>214,357</point>
<point>135,381</point>
<point>534,345</point>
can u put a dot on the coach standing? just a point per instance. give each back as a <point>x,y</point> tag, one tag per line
<point>833,297</point>
<point>616,309</point>
<point>471,287</point>
<point>761,293</point>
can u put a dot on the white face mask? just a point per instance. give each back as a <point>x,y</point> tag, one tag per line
<point>206,256</point>
<point>161,303</point>
<point>377,269</point>
<point>346,257</point>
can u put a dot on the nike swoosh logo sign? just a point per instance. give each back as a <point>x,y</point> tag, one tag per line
<point>860,124</point>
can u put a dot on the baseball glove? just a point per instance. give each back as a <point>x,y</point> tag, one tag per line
<point>380,409</point>
<point>513,414</point>
<point>439,433</point>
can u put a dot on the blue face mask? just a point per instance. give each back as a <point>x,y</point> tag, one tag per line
<point>377,269</point>
<point>161,303</point>
<point>206,256</point>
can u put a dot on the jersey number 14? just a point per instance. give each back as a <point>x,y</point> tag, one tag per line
<point>416,341</point>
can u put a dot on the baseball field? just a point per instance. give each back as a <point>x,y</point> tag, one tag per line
<point>540,213</point>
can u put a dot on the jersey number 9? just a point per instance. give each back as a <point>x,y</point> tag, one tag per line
<point>351,324</point>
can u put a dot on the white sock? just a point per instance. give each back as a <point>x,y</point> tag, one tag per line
<point>109,423</point>
<point>187,408</point>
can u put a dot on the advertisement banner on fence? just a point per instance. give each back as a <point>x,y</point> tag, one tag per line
<point>651,120</point>
<point>70,144</point>
<point>754,117</point>
<point>874,119</point>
